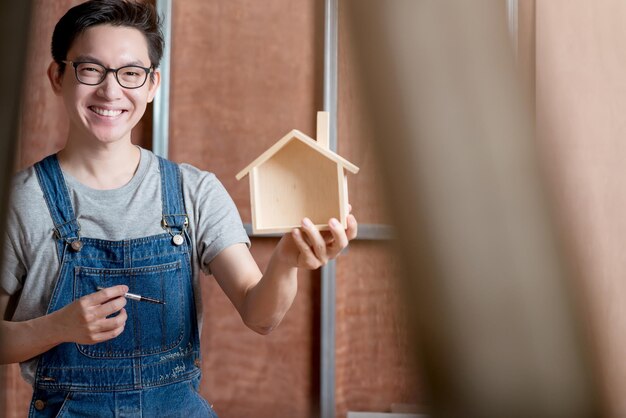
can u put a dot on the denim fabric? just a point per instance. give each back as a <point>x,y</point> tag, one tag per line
<point>152,368</point>
<point>171,401</point>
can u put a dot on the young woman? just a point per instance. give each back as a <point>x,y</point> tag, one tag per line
<point>103,223</point>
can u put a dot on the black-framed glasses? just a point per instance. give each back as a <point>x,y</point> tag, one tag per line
<point>92,74</point>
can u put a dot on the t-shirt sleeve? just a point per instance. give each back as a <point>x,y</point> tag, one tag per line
<point>13,269</point>
<point>217,224</point>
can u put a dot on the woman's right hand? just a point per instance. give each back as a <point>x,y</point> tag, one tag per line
<point>85,321</point>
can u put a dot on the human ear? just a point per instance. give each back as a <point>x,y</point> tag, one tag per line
<point>154,79</point>
<point>56,77</point>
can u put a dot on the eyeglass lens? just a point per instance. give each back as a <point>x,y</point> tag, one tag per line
<point>129,76</point>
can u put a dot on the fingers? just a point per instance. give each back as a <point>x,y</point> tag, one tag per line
<point>105,336</point>
<point>113,323</point>
<point>108,328</point>
<point>101,296</point>
<point>104,302</point>
<point>317,248</point>
<point>353,226</point>
<point>317,242</point>
<point>110,307</point>
<point>307,258</point>
<point>92,318</point>
<point>340,239</point>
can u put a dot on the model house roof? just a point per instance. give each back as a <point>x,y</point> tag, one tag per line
<point>296,135</point>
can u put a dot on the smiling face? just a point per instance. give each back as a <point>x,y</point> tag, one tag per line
<point>107,112</point>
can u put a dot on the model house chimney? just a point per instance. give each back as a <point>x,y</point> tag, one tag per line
<point>323,129</point>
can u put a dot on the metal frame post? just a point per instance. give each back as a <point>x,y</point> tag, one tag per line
<point>161,107</point>
<point>512,18</point>
<point>328,272</point>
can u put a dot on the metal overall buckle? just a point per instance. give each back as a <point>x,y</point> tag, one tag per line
<point>75,243</point>
<point>177,238</point>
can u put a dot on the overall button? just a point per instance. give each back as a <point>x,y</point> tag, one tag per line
<point>76,245</point>
<point>39,404</point>
<point>197,363</point>
<point>178,239</point>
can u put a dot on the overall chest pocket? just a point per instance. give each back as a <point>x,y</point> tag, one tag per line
<point>151,328</point>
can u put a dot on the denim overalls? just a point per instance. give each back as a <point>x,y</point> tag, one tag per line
<point>153,368</point>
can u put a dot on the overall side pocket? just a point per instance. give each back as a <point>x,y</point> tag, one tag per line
<point>151,328</point>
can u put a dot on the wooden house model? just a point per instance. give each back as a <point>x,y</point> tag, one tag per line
<point>298,177</point>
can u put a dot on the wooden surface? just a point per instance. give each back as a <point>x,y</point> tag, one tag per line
<point>323,129</point>
<point>305,139</point>
<point>296,182</point>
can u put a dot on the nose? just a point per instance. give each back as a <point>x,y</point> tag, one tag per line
<point>110,89</point>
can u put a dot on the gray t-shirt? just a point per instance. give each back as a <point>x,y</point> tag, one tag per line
<point>31,264</point>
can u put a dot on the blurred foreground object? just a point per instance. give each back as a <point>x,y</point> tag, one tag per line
<point>14,24</point>
<point>14,28</point>
<point>500,329</point>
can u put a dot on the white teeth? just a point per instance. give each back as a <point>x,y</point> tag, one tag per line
<point>106,112</point>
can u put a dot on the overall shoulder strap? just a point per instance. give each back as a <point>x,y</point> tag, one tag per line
<point>174,214</point>
<point>57,197</point>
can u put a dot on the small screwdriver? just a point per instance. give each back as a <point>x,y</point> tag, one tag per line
<point>139,298</point>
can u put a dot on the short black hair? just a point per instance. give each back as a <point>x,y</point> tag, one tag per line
<point>128,13</point>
